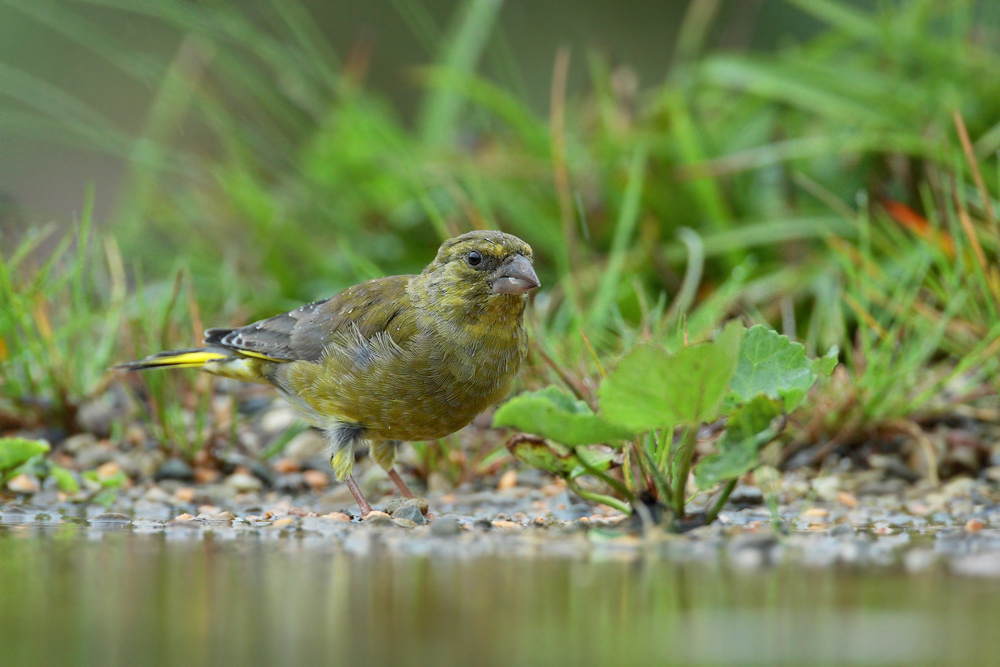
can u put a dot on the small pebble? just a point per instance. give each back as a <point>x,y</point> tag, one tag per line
<point>184,517</point>
<point>243,482</point>
<point>503,524</point>
<point>285,522</point>
<point>337,516</point>
<point>203,475</point>
<point>316,479</point>
<point>287,465</point>
<point>23,484</point>
<point>847,499</point>
<point>185,494</point>
<point>377,518</point>
<point>974,526</point>
<point>508,480</point>
<point>404,523</point>
<point>175,469</point>
<point>277,420</point>
<point>108,470</point>
<point>816,513</point>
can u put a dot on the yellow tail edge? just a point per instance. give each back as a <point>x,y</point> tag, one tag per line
<point>195,358</point>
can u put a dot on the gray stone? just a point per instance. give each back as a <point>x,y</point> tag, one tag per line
<point>746,496</point>
<point>446,527</point>
<point>175,468</point>
<point>75,443</point>
<point>290,483</point>
<point>412,513</point>
<point>243,483</point>
<point>98,415</point>
<point>399,502</point>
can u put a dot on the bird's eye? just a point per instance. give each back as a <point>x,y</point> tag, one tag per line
<point>474,258</point>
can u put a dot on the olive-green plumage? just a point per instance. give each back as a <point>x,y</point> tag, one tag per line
<point>393,359</point>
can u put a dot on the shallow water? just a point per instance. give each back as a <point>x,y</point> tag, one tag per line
<point>79,594</point>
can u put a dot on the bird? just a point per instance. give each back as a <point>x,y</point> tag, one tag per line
<point>395,359</point>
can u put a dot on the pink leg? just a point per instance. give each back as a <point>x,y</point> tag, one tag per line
<point>400,484</point>
<point>356,492</point>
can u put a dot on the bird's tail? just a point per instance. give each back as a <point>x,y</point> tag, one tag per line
<point>193,358</point>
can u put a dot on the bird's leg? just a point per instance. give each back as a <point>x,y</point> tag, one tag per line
<point>366,509</point>
<point>384,453</point>
<point>400,484</point>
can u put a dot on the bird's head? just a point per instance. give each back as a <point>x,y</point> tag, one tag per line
<point>481,267</point>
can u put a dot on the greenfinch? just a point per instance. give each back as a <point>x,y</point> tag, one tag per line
<point>401,358</point>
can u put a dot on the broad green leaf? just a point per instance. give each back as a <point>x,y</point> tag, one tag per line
<point>566,462</point>
<point>824,366</point>
<point>554,414</point>
<point>651,388</point>
<point>111,482</point>
<point>749,429</point>
<point>64,478</point>
<point>15,452</point>
<point>773,365</point>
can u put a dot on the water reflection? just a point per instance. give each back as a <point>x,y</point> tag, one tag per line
<point>73,594</point>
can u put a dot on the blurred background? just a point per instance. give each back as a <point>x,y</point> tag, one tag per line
<point>826,166</point>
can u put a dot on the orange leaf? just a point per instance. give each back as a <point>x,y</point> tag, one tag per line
<point>919,225</point>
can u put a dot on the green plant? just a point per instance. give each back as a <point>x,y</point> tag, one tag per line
<point>20,454</point>
<point>15,453</point>
<point>752,378</point>
<point>54,299</point>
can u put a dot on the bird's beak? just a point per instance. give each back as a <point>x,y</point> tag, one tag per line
<point>516,276</point>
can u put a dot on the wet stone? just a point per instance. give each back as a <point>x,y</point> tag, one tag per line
<point>14,513</point>
<point>410,513</point>
<point>110,518</point>
<point>412,509</point>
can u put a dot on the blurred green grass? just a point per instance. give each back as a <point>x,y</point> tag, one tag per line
<point>761,185</point>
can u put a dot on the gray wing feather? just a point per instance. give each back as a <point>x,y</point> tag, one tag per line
<point>304,333</point>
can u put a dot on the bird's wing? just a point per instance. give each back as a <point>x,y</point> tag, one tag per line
<point>367,310</point>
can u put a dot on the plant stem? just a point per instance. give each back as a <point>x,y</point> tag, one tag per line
<point>720,502</point>
<point>684,456</point>
<point>595,497</point>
